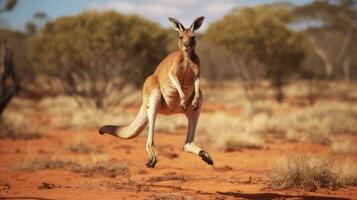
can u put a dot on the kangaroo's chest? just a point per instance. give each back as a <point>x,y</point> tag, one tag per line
<point>186,75</point>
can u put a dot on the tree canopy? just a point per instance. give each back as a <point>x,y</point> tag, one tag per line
<point>261,33</point>
<point>100,40</point>
<point>97,48</point>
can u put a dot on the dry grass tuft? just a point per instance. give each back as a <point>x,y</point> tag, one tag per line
<point>311,173</point>
<point>167,178</point>
<point>316,124</point>
<point>14,126</point>
<point>236,142</point>
<point>79,145</point>
<point>170,196</point>
<point>88,169</point>
<point>102,167</point>
<point>42,163</point>
<point>170,124</point>
<point>346,174</point>
<point>80,148</point>
<point>65,113</point>
<point>227,133</point>
<point>343,146</point>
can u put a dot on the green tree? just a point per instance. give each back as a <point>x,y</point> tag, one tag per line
<point>8,5</point>
<point>37,21</point>
<point>261,34</point>
<point>97,53</point>
<point>334,38</point>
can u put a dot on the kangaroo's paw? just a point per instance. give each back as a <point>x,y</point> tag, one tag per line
<point>183,103</point>
<point>195,104</point>
<point>151,162</point>
<point>205,157</point>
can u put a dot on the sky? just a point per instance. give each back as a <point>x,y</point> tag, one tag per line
<point>156,10</point>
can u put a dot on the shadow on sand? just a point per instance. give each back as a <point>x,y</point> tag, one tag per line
<point>269,196</point>
<point>25,198</point>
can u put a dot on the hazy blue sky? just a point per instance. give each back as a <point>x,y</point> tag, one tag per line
<point>156,10</point>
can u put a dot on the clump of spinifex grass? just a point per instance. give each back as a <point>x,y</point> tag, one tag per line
<point>311,173</point>
<point>79,145</point>
<point>227,133</point>
<point>102,167</point>
<point>14,126</point>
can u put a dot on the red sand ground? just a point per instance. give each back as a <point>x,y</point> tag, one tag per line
<point>240,175</point>
<point>235,175</point>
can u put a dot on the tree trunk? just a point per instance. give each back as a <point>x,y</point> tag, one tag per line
<point>346,70</point>
<point>9,84</point>
<point>324,57</point>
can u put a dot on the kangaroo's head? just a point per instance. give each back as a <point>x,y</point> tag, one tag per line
<point>187,40</point>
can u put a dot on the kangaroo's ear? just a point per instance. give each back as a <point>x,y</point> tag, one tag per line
<point>177,25</point>
<point>197,23</point>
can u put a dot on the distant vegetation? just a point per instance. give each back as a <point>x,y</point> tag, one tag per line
<point>95,56</point>
<point>98,54</point>
<point>265,47</point>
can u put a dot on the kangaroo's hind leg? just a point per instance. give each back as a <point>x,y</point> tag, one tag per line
<point>192,116</point>
<point>152,101</point>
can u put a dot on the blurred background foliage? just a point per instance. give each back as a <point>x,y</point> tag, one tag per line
<point>97,55</point>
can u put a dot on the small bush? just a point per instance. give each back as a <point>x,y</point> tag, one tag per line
<point>101,167</point>
<point>170,196</point>
<point>227,133</point>
<point>66,113</point>
<point>343,146</point>
<point>316,124</point>
<point>79,145</point>
<point>235,142</point>
<point>42,163</point>
<point>346,174</point>
<point>14,126</point>
<point>311,173</point>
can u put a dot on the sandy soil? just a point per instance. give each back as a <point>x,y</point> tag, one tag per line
<point>235,175</point>
<point>240,175</point>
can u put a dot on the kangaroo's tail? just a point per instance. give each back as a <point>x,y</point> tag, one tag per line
<point>128,131</point>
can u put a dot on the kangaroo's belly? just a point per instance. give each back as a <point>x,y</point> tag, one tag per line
<point>171,98</point>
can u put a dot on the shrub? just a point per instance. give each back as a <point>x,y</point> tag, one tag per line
<point>311,173</point>
<point>97,54</point>
<point>79,145</point>
<point>102,167</point>
<point>343,146</point>
<point>227,133</point>
<point>13,125</point>
<point>41,163</point>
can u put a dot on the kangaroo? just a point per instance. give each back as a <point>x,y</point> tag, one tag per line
<point>173,88</point>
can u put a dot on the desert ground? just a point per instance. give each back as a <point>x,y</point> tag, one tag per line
<point>64,159</point>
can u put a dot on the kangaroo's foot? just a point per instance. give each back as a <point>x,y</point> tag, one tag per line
<point>205,157</point>
<point>151,162</point>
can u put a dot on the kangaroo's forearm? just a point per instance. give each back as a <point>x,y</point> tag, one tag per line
<point>197,87</point>
<point>177,85</point>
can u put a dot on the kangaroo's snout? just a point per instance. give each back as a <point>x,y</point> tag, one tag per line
<point>187,44</point>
